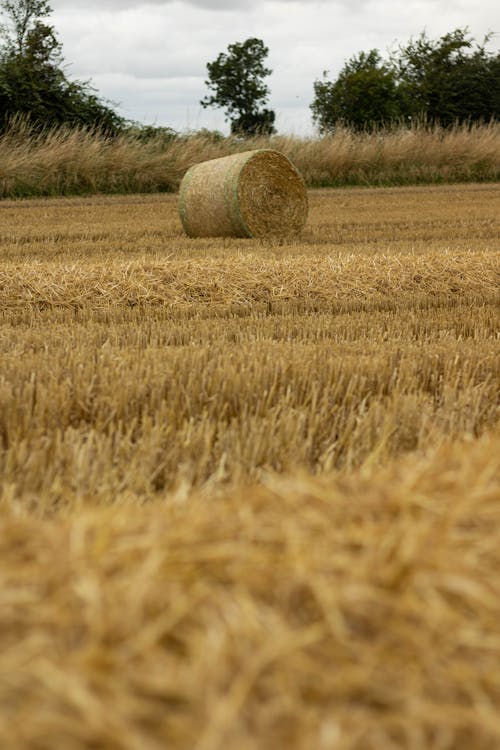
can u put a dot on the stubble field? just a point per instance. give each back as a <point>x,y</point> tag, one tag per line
<point>249,491</point>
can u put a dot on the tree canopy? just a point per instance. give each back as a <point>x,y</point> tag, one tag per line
<point>236,82</point>
<point>445,81</point>
<point>32,77</point>
<point>448,80</point>
<point>365,92</point>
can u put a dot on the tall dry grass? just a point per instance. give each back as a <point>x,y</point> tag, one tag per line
<point>66,162</point>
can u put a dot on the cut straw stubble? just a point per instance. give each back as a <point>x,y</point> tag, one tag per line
<point>252,194</point>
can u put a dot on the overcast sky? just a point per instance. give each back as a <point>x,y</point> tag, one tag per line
<point>150,57</point>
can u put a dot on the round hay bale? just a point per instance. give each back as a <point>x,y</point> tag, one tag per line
<point>252,194</point>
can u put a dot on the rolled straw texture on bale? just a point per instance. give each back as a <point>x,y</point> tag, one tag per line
<point>252,194</point>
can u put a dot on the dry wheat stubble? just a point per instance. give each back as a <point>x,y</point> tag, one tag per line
<point>212,342</point>
<point>142,372</point>
<point>352,613</point>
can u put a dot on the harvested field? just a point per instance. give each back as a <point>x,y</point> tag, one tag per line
<point>248,489</point>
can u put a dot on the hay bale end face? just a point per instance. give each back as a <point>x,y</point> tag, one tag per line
<point>252,194</point>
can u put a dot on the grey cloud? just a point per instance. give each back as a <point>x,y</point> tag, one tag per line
<point>150,55</point>
<point>110,5</point>
<point>226,5</point>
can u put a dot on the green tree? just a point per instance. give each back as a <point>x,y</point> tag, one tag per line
<point>23,17</point>
<point>32,77</point>
<point>449,80</point>
<point>236,82</point>
<point>364,96</point>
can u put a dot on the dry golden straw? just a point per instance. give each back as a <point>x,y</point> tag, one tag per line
<point>253,194</point>
<point>249,495</point>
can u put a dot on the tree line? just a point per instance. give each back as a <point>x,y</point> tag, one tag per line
<point>445,81</point>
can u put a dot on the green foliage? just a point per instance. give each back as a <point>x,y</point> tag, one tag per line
<point>447,81</point>
<point>365,95</point>
<point>236,81</point>
<point>32,78</point>
<point>160,134</point>
<point>254,123</point>
<point>24,16</point>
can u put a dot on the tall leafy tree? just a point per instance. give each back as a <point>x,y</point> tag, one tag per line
<point>23,18</point>
<point>32,77</point>
<point>449,80</point>
<point>365,95</point>
<point>236,82</point>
